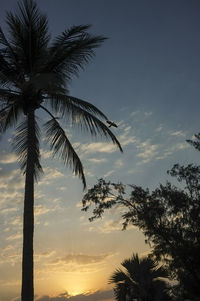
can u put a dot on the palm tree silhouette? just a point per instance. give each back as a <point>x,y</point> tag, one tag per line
<point>34,75</point>
<point>139,280</point>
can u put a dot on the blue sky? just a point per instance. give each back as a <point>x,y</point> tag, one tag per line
<point>145,77</point>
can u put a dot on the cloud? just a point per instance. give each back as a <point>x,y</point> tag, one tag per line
<point>8,210</point>
<point>91,296</point>
<point>16,221</point>
<point>80,259</point>
<point>45,154</point>
<point>98,147</point>
<point>126,137</point>
<point>110,226</point>
<point>134,113</point>
<point>7,158</point>
<point>148,151</point>
<point>10,259</point>
<point>110,172</point>
<point>119,163</point>
<point>14,236</point>
<point>89,173</point>
<point>174,148</point>
<point>94,160</point>
<point>16,299</point>
<point>40,209</point>
<point>159,128</point>
<point>43,255</point>
<point>147,114</point>
<point>53,173</point>
<point>178,133</point>
<point>180,146</point>
<point>11,180</point>
<point>50,174</point>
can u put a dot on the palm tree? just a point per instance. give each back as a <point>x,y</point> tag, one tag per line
<point>34,75</point>
<point>139,281</point>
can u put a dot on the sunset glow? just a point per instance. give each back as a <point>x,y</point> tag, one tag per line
<point>145,78</point>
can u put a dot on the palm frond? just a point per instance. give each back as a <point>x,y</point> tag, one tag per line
<point>121,292</point>
<point>71,51</point>
<point>95,126</point>
<point>8,73</point>
<point>125,286</point>
<point>140,278</point>
<point>195,143</point>
<point>69,35</point>
<point>8,95</point>
<point>21,143</point>
<point>61,145</point>
<point>28,35</point>
<point>119,277</point>
<point>61,103</point>
<point>9,115</point>
<point>4,41</point>
<point>80,114</point>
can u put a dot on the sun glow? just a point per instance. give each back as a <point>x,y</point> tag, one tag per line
<point>79,292</point>
<point>75,288</point>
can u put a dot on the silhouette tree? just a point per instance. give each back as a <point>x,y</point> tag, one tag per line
<point>169,217</point>
<point>140,280</point>
<point>34,75</point>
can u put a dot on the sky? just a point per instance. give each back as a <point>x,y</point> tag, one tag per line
<point>145,78</point>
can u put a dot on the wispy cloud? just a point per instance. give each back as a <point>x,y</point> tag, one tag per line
<point>127,137</point>
<point>124,136</point>
<point>90,296</point>
<point>9,255</point>
<point>147,114</point>
<point>109,226</point>
<point>134,113</point>
<point>80,259</point>
<point>43,256</point>
<point>147,152</point>
<point>95,160</point>
<point>8,210</point>
<point>159,128</point>
<point>45,154</point>
<point>98,147</point>
<point>50,174</point>
<point>14,236</point>
<point>119,163</point>
<point>11,179</point>
<point>40,210</point>
<point>110,172</point>
<point>172,149</point>
<point>6,158</point>
<point>178,133</point>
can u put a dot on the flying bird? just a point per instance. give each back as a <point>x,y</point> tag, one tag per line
<point>111,123</point>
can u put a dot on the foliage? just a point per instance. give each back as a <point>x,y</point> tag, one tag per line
<point>35,74</point>
<point>195,143</point>
<point>140,280</point>
<point>169,217</point>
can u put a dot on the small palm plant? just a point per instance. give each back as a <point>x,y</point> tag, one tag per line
<point>34,75</point>
<point>140,280</point>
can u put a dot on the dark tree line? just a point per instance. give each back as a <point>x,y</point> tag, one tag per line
<point>169,217</point>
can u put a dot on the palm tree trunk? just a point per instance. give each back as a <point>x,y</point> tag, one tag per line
<point>27,293</point>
